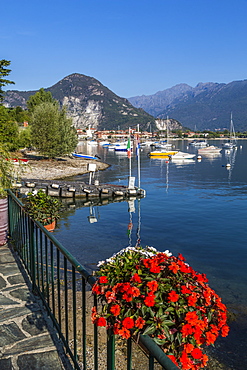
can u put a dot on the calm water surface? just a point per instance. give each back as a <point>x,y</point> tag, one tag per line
<point>197,208</point>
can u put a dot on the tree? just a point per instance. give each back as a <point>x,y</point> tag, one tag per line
<point>52,132</point>
<point>8,129</point>
<point>3,73</point>
<point>39,97</point>
<point>25,137</point>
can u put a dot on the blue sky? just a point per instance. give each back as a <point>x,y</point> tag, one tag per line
<point>134,47</point>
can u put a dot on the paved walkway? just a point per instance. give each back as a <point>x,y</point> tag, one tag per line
<point>26,335</point>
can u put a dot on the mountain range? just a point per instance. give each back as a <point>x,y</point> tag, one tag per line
<point>88,102</point>
<point>205,107</point>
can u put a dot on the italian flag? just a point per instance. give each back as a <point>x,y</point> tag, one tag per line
<point>128,149</point>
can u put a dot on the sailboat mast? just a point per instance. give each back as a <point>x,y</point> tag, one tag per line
<point>167,134</point>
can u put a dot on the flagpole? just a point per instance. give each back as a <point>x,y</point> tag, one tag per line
<point>129,154</point>
<point>138,159</point>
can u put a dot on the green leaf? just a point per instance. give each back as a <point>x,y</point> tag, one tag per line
<point>144,310</point>
<point>149,330</point>
<point>160,342</point>
<point>167,323</point>
<point>169,309</point>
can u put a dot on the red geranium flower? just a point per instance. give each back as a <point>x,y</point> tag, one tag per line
<point>125,333</point>
<point>174,267</point>
<point>173,296</point>
<point>96,289</point>
<point>110,296</point>
<point>188,347</point>
<point>116,327</point>
<point>139,323</point>
<point>210,338</point>
<point>103,280</point>
<point>150,300</point>
<point>197,353</point>
<point>115,309</point>
<point>128,323</point>
<point>186,362</point>
<point>153,285</point>
<point>185,290</point>
<point>155,268</point>
<point>101,321</point>
<point>224,330</point>
<point>136,278</point>
<point>192,299</point>
<point>187,330</point>
<point>191,318</point>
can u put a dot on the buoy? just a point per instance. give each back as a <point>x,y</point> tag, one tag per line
<point>199,157</point>
<point>228,165</point>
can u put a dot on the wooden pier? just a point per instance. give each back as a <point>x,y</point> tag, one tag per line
<point>70,189</point>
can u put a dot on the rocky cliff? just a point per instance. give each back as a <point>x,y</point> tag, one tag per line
<point>89,102</point>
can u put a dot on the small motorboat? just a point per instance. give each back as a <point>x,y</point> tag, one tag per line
<point>162,153</point>
<point>209,149</point>
<point>84,156</point>
<point>198,143</point>
<point>182,156</point>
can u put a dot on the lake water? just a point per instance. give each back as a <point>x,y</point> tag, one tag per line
<point>197,208</point>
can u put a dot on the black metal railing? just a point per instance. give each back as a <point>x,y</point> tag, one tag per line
<point>64,286</point>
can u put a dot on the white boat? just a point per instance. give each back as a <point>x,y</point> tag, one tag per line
<point>122,147</point>
<point>163,145</point>
<point>182,156</point>
<point>209,149</point>
<point>198,143</point>
<point>163,153</point>
<point>146,143</point>
<point>117,144</point>
<point>84,156</point>
<point>104,143</point>
<point>232,143</point>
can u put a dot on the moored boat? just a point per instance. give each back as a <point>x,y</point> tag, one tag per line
<point>84,156</point>
<point>198,143</point>
<point>231,144</point>
<point>209,149</point>
<point>182,155</point>
<point>162,153</point>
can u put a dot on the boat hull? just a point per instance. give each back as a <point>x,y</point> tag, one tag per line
<point>183,155</point>
<point>83,156</point>
<point>163,153</point>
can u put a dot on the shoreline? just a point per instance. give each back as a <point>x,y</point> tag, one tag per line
<point>55,169</point>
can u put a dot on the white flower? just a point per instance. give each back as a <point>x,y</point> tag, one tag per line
<point>100,263</point>
<point>168,253</point>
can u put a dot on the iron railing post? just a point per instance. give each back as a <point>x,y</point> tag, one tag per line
<point>110,350</point>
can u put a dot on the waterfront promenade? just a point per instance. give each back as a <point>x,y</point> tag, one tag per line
<point>27,338</point>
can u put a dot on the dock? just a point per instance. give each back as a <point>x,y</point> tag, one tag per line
<point>70,189</point>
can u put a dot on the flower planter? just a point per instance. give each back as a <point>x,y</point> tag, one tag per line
<point>50,227</point>
<point>3,220</point>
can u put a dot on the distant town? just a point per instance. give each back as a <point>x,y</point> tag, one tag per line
<point>92,133</point>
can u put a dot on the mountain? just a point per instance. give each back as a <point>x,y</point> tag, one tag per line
<point>206,106</point>
<point>89,103</point>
